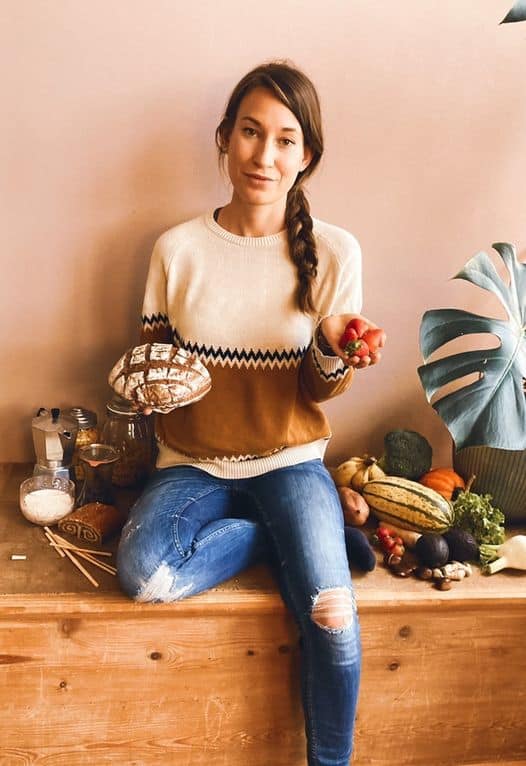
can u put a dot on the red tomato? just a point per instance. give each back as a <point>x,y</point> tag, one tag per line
<point>375,338</point>
<point>357,348</point>
<point>360,325</point>
<point>348,336</point>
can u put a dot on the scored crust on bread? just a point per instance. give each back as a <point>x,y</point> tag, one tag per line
<point>160,376</point>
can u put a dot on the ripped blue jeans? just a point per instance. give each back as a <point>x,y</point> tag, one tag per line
<point>190,531</point>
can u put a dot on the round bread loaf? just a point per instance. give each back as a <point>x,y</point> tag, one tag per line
<point>160,376</point>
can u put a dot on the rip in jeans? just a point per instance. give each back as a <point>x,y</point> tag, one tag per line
<point>161,586</point>
<point>333,609</point>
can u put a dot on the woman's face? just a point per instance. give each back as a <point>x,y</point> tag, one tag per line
<point>265,150</point>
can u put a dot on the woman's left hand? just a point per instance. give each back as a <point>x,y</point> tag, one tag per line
<point>333,328</point>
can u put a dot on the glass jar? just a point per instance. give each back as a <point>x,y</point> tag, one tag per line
<point>128,431</point>
<point>46,499</point>
<point>87,434</point>
<point>98,461</point>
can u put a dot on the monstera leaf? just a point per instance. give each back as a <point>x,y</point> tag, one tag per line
<point>491,410</point>
<point>517,13</point>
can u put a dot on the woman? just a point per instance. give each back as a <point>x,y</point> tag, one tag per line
<point>261,292</point>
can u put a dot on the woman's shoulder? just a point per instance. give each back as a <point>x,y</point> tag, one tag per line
<point>184,232</point>
<point>337,242</point>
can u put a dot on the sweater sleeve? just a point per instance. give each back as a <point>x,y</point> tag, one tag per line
<point>327,376</point>
<point>155,325</point>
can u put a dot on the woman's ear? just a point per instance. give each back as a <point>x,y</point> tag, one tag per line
<point>224,138</point>
<point>307,157</point>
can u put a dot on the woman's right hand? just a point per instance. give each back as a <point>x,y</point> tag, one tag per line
<point>333,328</point>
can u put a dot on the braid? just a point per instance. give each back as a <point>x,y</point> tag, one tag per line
<point>294,90</point>
<point>302,245</point>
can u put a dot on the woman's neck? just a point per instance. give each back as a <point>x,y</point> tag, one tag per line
<point>252,220</point>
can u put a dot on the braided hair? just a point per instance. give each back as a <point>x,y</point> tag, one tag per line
<point>296,91</point>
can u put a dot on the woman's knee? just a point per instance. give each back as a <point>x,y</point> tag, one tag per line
<point>334,609</point>
<point>334,633</point>
<point>164,585</point>
<point>142,568</point>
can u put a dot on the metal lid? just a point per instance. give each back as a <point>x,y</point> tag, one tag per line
<point>121,406</point>
<point>86,418</point>
<point>54,421</point>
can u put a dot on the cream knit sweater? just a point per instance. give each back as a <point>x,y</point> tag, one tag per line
<point>230,300</point>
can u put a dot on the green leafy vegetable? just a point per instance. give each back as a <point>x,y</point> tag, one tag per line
<point>406,453</point>
<point>476,515</point>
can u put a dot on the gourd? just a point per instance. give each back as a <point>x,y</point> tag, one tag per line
<point>343,473</point>
<point>368,471</point>
<point>445,481</point>
<point>356,472</point>
<point>408,504</point>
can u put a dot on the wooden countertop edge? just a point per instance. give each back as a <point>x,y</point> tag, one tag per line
<point>253,602</point>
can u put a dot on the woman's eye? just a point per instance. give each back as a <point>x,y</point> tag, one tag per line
<point>249,131</point>
<point>287,142</point>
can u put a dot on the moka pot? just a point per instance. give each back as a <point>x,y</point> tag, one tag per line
<point>54,436</point>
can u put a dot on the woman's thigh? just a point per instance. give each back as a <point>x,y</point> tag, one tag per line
<point>181,537</point>
<point>302,511</point>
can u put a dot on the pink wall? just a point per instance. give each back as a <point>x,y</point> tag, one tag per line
<point>109,114</point>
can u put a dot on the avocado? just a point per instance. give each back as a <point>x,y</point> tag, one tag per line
<point>432,550</point>
<point>462,545</point>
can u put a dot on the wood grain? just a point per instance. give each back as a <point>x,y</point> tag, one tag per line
<point>92,678</point>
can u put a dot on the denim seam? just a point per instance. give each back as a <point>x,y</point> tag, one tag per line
<point>177,540</point>
<point>313,735</point>
<point>217,533</point>
<point>309,661</point>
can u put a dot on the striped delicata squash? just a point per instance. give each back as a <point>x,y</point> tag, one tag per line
<point>408,504</point>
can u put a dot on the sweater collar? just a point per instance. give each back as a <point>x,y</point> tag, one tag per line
<point>269,241</point>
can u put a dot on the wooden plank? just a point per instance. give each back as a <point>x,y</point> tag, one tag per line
<point>438,691</point>
<point>11,476</point>
<point>499,763</point>
<point>213,691</point>
<point>90,677</point>
<point>442,688</point>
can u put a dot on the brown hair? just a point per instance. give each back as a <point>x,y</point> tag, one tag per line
<point>294,89</point>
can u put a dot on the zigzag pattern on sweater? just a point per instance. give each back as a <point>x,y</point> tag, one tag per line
<point>155,320</point>
<point>335,375</point>
<point>234,357</point>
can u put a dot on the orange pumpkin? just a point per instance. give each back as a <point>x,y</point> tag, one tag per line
<point>444,481</point>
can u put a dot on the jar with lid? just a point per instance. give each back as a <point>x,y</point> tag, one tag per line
<point>128,431</point>
<point>87,434</point>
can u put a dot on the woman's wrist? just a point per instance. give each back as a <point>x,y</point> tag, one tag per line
<point>322,344</point>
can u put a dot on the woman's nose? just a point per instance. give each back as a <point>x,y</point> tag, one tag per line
<point>264,154</point>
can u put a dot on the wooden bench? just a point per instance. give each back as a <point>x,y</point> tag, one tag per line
<point>88,677</point>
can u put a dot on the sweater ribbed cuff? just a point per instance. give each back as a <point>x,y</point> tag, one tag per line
<point>329,363</point>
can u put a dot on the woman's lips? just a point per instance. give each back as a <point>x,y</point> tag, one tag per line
<point>258,179</point>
